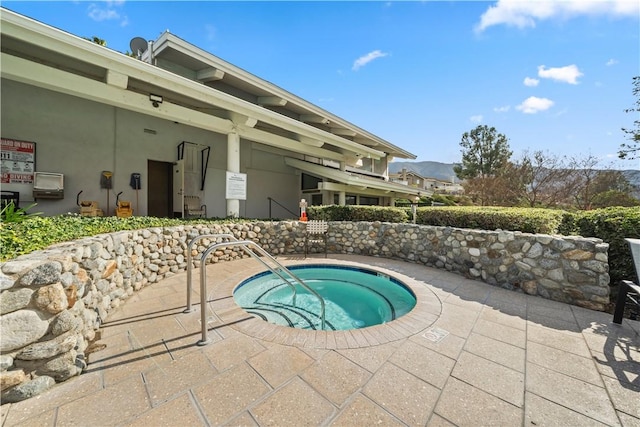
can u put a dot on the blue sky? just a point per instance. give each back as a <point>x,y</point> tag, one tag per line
<point>550,75</point>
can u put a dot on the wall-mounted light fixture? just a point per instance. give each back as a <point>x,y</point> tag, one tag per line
<point>156,100</point>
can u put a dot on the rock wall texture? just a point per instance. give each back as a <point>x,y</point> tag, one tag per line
<point>52,302</point>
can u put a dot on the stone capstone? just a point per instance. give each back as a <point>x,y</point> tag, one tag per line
<point>43,274</point>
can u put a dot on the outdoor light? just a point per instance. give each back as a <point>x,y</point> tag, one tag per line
<point>156,100</point>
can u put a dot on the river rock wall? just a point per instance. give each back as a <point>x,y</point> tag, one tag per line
<point>53,301</point>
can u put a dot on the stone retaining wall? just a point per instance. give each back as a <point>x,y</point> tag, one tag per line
<point>53,301</point>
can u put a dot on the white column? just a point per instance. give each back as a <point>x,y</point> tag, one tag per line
<point>342,196</point>
<point>233,165</point>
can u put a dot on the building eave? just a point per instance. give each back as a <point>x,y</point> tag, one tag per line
<point>65,45</point>
<point>355,181</point>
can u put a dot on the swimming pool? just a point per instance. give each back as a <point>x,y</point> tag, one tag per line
<point>355,297</point>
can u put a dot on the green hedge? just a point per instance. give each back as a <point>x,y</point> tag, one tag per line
<point>358,213</point>
<point>527,220</point>
<point>612,225</point>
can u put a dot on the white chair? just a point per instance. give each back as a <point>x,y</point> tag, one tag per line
<point>629,292</point>
<point>193,208</point>
<point>316,232</point>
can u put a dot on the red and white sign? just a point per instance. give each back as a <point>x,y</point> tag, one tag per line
<point>18,161</point>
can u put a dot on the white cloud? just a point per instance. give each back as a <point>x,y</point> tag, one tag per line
<point>107,11</point>
<point>502,109</point>
<point>529,81</point>
<point>568,74</point>
<point>525,14</point>
<point>611,62</point>
<point>476,118</point>
<point>533,104</point>
<point>210,32</point>
<point>365,59</point>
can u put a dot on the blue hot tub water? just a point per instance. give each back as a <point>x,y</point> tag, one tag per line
<point>354,297</point>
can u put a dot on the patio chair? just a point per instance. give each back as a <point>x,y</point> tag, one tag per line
<point>193,208</point>
<point>629,292</point>
<point>316,232</point>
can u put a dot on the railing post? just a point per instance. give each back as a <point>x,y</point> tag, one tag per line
<point>245,245</point>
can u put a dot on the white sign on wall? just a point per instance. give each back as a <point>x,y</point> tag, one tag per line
<point>18,161</point>
<point>236,186</point>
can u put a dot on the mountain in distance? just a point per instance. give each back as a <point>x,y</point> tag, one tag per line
<point>444,172</point>
<point>427,169</point>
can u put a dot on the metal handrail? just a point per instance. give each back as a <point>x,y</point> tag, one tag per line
<point>271,199</point>
<point>245,244</point>
<point>231,237</point>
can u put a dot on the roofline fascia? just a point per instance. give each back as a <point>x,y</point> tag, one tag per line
<point>13,23</point>
<point>166,39</point>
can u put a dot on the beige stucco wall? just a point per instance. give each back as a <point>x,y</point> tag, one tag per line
<point>81,138</point>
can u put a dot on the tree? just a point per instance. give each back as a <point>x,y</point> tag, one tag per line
<point>631,149</point>
<point>614,198</point>
<point>544,179</point>
<point>96,40</point>
<point>583,177</point>
<point>485,155</point>
<point>611,180</point>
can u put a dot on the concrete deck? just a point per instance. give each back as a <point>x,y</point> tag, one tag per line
<point>469,355</point>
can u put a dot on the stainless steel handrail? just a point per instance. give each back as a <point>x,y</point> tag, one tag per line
<point>233,238</point>
<point>245,244</point>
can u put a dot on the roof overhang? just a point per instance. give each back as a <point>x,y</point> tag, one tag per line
<point>214,68</point>
<point>43,56</point>
<point>357,183</point>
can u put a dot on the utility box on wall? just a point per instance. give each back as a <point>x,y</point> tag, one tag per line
<point>47,185</point>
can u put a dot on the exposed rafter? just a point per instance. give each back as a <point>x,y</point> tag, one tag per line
<point>209,75</point>
<point>310,141</point>
<point>343,132</point>
<point>241,119</point>
<point>272,101</point>
<point>312,118</point>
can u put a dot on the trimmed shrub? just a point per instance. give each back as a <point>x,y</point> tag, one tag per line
<point>612,225</point>
<point>358,213</point>
<point>527,220</point>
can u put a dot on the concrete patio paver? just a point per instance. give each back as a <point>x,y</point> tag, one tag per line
<point>468,355</point>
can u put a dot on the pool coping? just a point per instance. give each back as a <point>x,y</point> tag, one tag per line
<point>426,312</point>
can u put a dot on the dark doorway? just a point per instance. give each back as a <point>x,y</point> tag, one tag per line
<point>160,189</point>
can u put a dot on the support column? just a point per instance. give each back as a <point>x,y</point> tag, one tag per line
<point>233,165</point>
<point>342,196</point>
